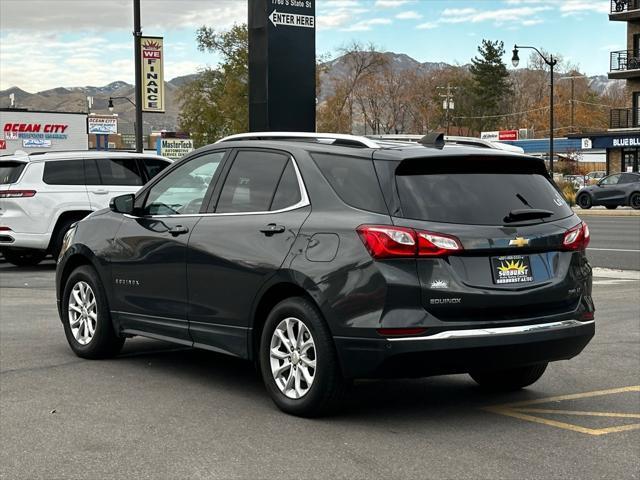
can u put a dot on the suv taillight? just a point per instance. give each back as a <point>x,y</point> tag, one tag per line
<point>576,238</point>
<point>17,193</point>
<point>385,241</point>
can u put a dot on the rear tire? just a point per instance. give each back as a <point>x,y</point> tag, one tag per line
<point>584,201</point>
<point>24,258</point>
<point>510,379</point>
<point>86,317</point>
<point>317,389</point>
<point>634,201</point>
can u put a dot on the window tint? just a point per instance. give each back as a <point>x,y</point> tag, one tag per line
<point>91,175</point>
<point>154,166</point>
<point>251,182</point>
<point>353,179</point>
<point>10,171</point>
<point>610,180</point>
<point>183,190</point>
<point>288,191</point>
<point>477,191</point>
<point>629,178</point>
<point>119,171</point>
<point>64,172</point>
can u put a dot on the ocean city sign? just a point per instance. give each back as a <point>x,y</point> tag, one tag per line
<point>152,74</point>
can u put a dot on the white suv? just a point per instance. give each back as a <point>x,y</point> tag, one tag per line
<point>42,194</point>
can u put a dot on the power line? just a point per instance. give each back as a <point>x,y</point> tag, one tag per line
<point>533,110</point>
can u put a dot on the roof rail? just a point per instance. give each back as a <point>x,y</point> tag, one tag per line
<point>333,138</point>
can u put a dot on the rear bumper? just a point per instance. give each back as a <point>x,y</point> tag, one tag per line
<point>15,240</point>
<point>463,350</point>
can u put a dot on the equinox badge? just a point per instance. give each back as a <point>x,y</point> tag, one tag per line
<point>519,242</point>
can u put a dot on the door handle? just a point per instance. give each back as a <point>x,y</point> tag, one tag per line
<point>178,230</point>
<point>100,192</point>
<point>272,229</point>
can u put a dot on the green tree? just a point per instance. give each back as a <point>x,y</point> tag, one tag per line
<point>491,90</point>
<point>216,102</point>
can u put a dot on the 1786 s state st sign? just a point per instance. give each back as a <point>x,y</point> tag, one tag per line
<point>282,65</point>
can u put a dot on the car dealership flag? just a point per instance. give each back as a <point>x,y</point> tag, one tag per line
<point>152,74</point>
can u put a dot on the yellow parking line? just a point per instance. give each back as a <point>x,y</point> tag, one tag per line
<point>572,412</point>
<point>521,410</point>
<point>575,396</point>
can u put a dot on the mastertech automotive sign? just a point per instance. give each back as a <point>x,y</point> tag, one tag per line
<point>152,74</point>
<point>500,135</point>
<point>42,131</point>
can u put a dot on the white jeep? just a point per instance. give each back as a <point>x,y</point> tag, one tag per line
<point>43,194</point>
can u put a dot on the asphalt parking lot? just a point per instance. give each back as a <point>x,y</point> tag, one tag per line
<point>158,411</point>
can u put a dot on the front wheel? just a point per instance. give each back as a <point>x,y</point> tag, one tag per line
<point>509,379</point>
<point>298,361</point>
<point>86,317</point>
<point>584,201</point>
<point>24,258</point>
<point>634,200</point>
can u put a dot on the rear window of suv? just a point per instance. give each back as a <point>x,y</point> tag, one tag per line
<point>10,171</point>
<point>476,191</point>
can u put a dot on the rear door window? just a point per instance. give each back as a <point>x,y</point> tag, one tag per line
<point>154,166</point>
<point>476,191</point>
<point>251,183</point>
<point>64,172</point>
<point>629,178</point>
<point>10,171</point>
<point>119,171</point>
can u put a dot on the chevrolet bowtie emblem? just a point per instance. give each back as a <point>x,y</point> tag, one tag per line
<point>519,242</point>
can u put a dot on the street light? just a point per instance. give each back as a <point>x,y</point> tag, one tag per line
<point>111,99</point>
<point>515,61</point>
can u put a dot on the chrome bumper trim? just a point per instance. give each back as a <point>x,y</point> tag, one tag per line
<point>483,332</point>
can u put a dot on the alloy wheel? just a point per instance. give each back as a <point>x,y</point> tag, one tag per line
<point>292,354</point>
<point>83,312</point>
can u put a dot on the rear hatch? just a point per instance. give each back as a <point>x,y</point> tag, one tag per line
<point>510,225</point>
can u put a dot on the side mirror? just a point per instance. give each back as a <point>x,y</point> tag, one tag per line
<point>123,203</point>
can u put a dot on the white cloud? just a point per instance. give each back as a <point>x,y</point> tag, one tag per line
<point>390,3</point>
<point>163,15</point>
<point>409,15</point>
<point>367,24</point>
<point>427,26</point>
<point>498,16</point>
<point>580,7</point>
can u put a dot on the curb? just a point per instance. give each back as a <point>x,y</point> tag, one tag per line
<point>612,273</point>
<point>606,213</point>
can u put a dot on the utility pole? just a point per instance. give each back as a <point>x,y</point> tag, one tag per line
<point>447,103</point>
<point>137,48</point>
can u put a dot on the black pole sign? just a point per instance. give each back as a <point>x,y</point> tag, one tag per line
<point>282,65</point>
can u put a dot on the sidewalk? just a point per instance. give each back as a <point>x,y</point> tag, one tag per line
<point>603,212</point>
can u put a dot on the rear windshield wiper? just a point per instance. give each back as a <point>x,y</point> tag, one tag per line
<point>527,214</point>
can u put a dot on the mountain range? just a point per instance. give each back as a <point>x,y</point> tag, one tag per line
<point>74,99</point>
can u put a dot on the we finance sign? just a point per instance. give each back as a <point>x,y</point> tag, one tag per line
<point>152,74</point>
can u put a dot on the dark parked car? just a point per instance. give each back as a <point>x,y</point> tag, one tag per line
<point>330,258</point>
<point>620,189</point>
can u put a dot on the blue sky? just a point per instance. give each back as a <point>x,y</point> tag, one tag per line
<point>50,43</point>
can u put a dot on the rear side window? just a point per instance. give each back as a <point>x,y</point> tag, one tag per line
<point>154,166</point>
<point>288,191</point>
<point>119,171</point>
<point>64,172</point>
<point>476,191</point>
<point>353,179</point>
<point>626,178</point>
<point>251,183</point>
<point>10,171</point>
